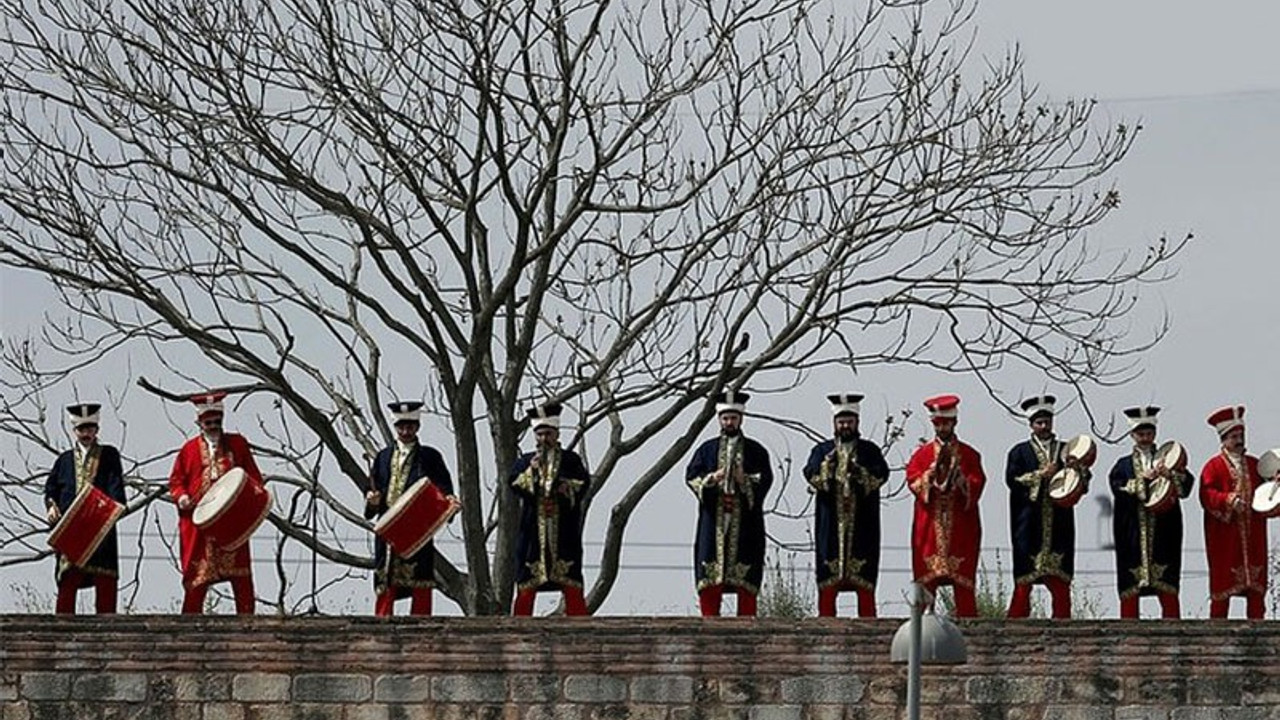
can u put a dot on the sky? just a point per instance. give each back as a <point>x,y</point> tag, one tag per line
<point>1200,77</point>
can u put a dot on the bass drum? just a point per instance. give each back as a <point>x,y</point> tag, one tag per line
<point>415,517</point>
<point>232,509</point>
<point>85,525</point>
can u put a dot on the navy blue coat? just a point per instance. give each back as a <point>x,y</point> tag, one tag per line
<point>559,564</point>
<point>1162,570</point>
<point>862,555</point>
<point>391,569</point>
<point>1029,520</point>
<point>60,490</point>
<point>744,560</point>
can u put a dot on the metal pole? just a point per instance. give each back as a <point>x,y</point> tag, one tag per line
<point>913,653</point>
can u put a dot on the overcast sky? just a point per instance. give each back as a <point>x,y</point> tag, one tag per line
<point>1201,77</point>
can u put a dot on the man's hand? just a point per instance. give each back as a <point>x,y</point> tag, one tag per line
<point>716,478</point>
<point>373,497</point>
<point>53,514</point>
<point>184,502</point>
<point>1237,503</point>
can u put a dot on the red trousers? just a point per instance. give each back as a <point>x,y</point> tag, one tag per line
<point>241,587</point>
<point>419,602</point>
<point>1059,591</point>
<point>1170,609</point>
<point>710,598</point>
<point>966,601</point>
<point>574,602</point>
<point>827,601</point>
<point>104,589</point>
<point>1254,606</point>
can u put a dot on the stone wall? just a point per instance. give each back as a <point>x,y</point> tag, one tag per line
<point>226,668</point>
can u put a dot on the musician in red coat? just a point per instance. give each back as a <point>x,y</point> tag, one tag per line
<point>946,477</point>
<point>201,461</point>
<point>1235,536</point>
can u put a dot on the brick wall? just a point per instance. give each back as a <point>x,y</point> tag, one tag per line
<point>225,668</point>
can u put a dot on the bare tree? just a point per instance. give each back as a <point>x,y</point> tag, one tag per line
<point>622,206</point>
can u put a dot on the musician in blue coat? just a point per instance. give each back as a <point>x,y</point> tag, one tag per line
<point>1043,532</point>
<point>551,484</point>
<point>88,462</point>
<point>730,475</point>
<point>845,474</point>
<point>396,469</point>
<point>1148,540</point>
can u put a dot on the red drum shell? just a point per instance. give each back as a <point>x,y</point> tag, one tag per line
<point>1266,499</point>
<point>1083,449</point>
<point>1066,487</point>
<point>232,508</point>
<point>416,517</point>
<point>1162,495</point>
<point>83,526</point>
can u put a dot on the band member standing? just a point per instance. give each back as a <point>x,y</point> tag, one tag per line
<point>730,475</point>
<point>397,468</point>
<point>1235,536</point>
<point>551,483</point>
<point>946,477</point>
<point>87,463</point>
<point>845,474</point>
<point>1043,532</point>
<point>1148,543</point>
<point>201,461</point>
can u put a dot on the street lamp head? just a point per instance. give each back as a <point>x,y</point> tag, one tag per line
<point>941,642</point>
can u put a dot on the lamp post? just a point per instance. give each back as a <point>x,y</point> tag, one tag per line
<point>925,639</point>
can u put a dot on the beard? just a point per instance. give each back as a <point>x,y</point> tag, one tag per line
<point>846,435</point>
<point>735,432</point>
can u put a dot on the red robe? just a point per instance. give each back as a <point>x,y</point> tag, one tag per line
<point>1236,542</point>
<point>194,472</point>
<point>946,531</point>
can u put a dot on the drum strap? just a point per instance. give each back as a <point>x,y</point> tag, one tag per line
<point>87,468</point>
<point>216,462</point>
<point>1236,464</point>
<point>401,461</point>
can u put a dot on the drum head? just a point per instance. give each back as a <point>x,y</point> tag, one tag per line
<point>1172,455</point>
<point>402,503</point>
<point>1158,492</point>
<point>1266,498</point>
<point>218,497</point>
<point>1083,449</point>
<point>1269,464</point>
<point>1064,484</point>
